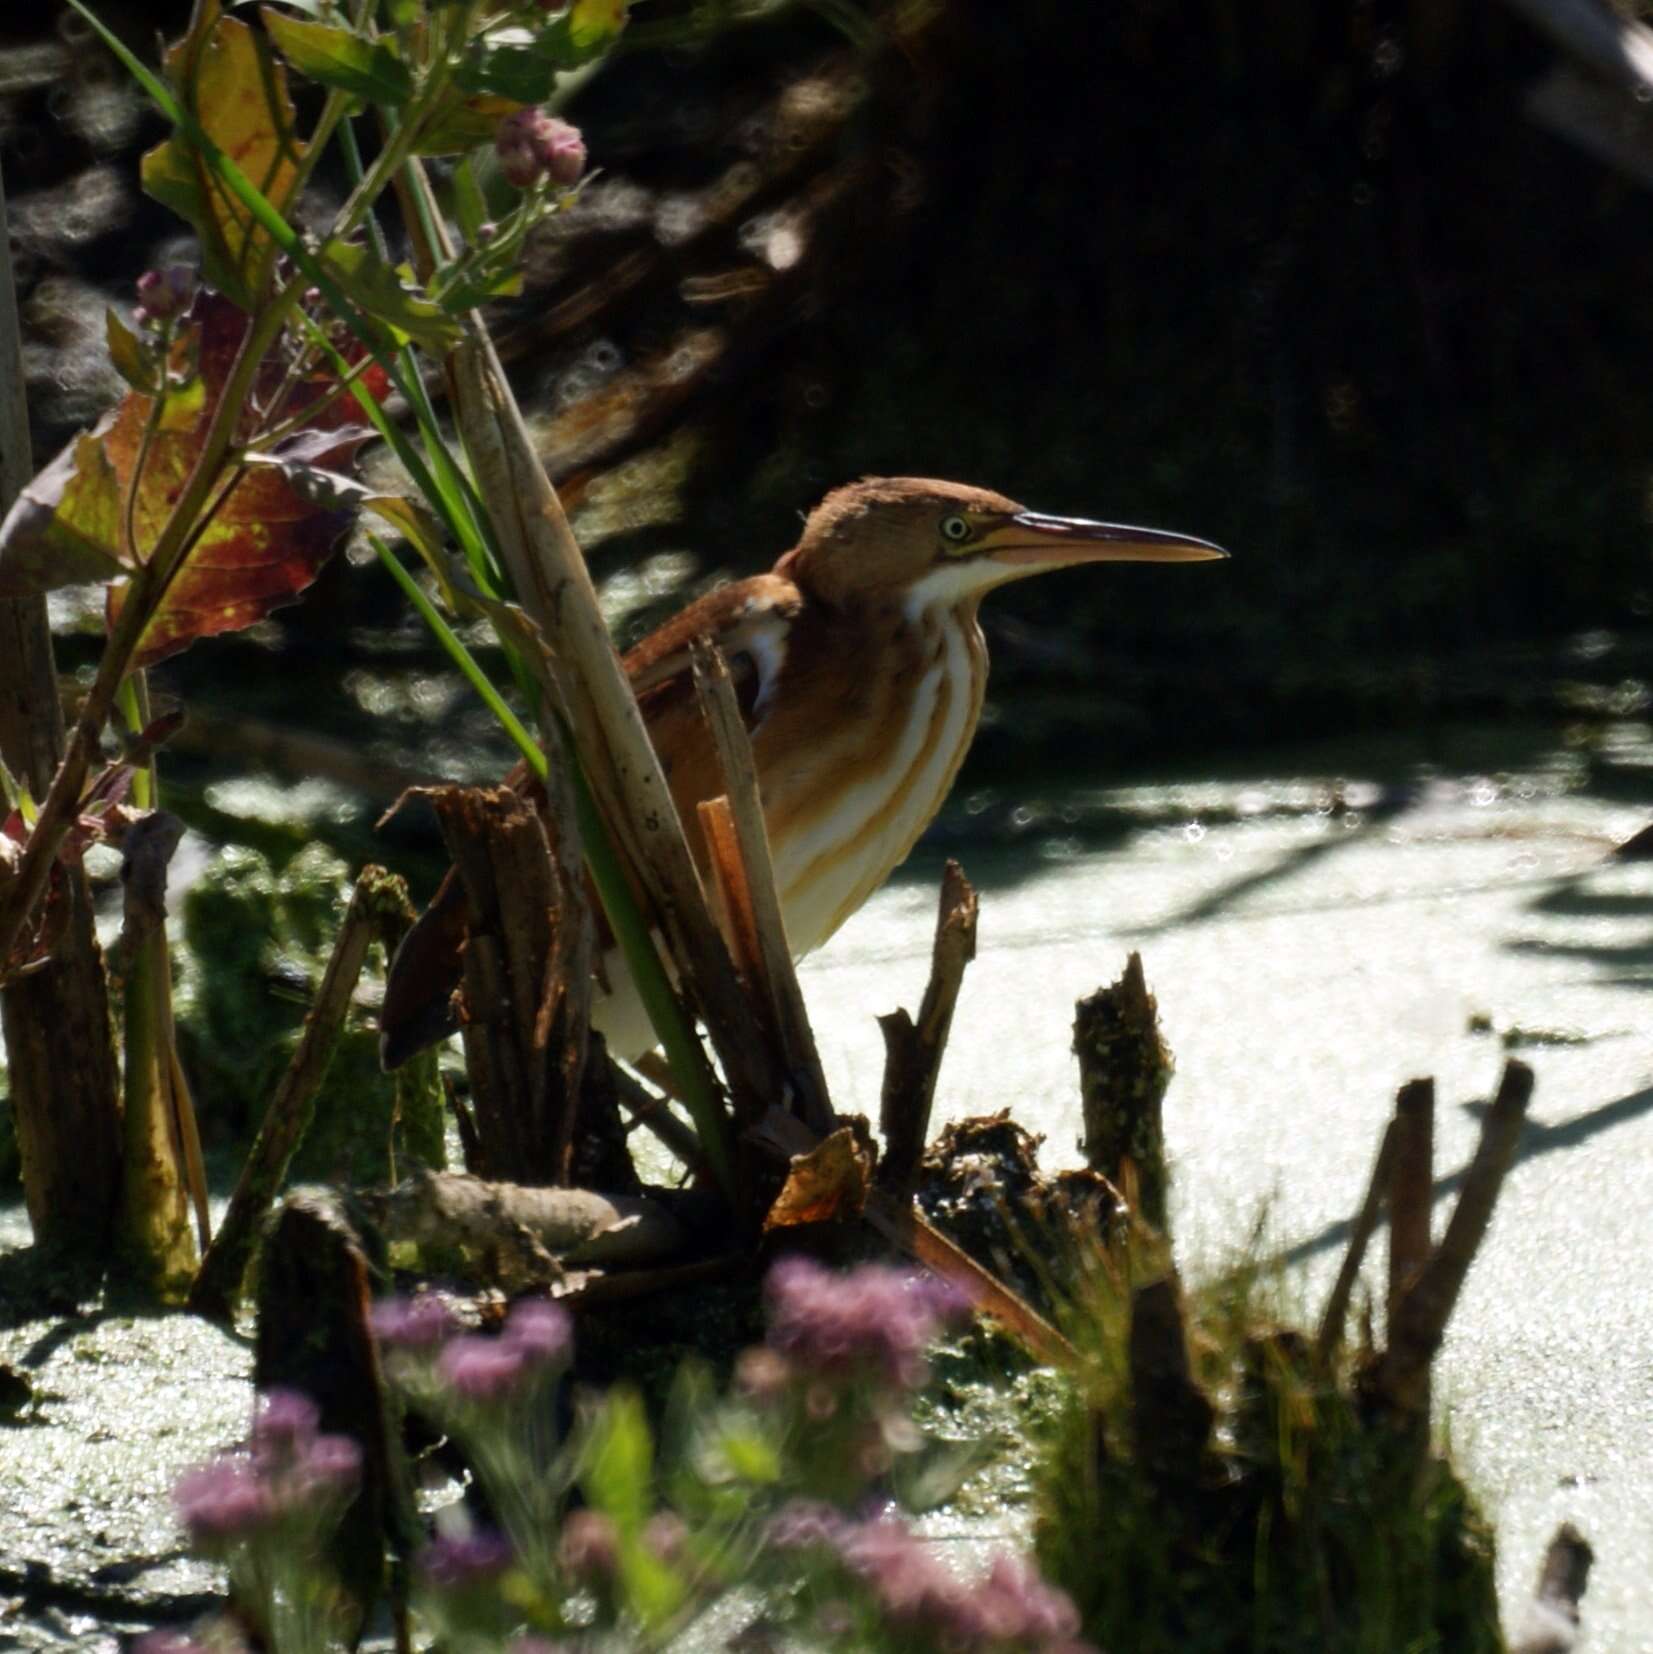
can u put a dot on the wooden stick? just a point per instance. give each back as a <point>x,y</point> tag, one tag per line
<point>913,1052</point>
<point>1411,1188</point>
<point>218,1283</point>
<point>1364,1227</point>
<point>771,966</point>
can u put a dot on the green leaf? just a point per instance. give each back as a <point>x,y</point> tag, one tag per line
<point>384,292</point>
<point>594,25</point>
<point>651,1586</point>
<point>414,521</point>
<point>477,287</point>
<point>226,81</point>
<point>464,125</point>
<point>369,69</point>
<point>470,205</point>
<point>619,1474</point>
<point>751,1456</point>
<point>525,74</point>
<point>132,361</point>
<point>65,529</point>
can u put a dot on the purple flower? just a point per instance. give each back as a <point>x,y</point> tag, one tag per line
<point>328,1467</point>
<point>589,1545</point>
<point>905,1579</point>
<point>801,1523</point>
<point>464,1560</point>
<point>1013,1604</point>
<point>221,1502</point>
<point>284,1426</point>
<point>481,1369</point>
<point>540,1333</point>
<point>164,294</point>
<point>412,1323</point>
<point>872,1322</point>
<point>532,145</point>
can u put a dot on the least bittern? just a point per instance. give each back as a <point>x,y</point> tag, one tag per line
<point>860,670</point>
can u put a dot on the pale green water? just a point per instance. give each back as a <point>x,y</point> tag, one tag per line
<point>1308,957</point>
<point>1306,964</point>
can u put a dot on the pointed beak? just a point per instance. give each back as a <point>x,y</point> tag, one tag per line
<point>1030,542</point>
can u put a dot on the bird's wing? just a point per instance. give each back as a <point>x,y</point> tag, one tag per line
<point>749,621</point>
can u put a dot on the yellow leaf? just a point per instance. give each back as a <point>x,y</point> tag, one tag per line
<point>225,75</point>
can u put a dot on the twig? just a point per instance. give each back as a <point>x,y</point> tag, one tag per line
<point>218,1284</point>
<point>913,1052</point>
<point>652,1112</point>
<point>1365,1226</point>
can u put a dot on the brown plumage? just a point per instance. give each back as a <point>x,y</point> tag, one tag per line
<point>860,670</point>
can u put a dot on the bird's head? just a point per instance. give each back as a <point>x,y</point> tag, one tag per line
<point>912,539</point>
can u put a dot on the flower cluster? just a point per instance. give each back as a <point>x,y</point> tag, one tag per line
<point>291,1475</point>
<point>164,295</point>
<point>468,1369</point>
<point>872,1325</point>
<point>533,146</point>
<point>910,1590</point>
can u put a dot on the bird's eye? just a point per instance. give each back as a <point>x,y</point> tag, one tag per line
<point>955,529</point>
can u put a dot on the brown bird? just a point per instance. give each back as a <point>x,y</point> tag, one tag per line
<point>860,671</point>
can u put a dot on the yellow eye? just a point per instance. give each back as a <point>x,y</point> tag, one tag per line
<point>955,530</point>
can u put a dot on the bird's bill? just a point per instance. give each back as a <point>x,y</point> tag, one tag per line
<point>1029,542</point>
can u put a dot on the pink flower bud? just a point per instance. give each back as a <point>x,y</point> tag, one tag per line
<point>532,145</point>
<point>167,293</point>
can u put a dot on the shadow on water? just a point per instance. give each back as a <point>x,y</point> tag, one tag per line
<point>1391,804</point>
<point>1536,1139</point>
<point>1626,964</point>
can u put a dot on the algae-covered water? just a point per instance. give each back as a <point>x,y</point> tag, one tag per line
<point>1317,931</point>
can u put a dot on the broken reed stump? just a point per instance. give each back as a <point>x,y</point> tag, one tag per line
<point>913,1051</point>
<point>1125,1068</point>
<point>1551,1626</point>
<point>1171,1416</point>
<point>1422,1304</point>
<point>63,1083</point>
<point>525,985</point>
<point>314,1336</point>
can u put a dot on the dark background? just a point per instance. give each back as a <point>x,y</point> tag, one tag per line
<point>1308,279</point>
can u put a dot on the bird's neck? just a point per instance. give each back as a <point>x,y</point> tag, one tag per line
<point>912,676</point>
